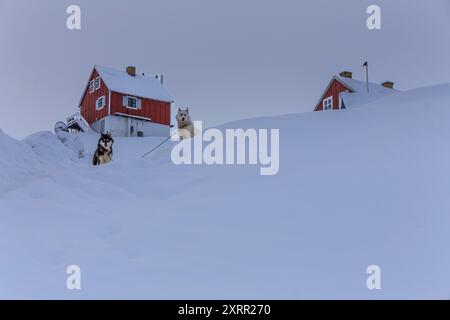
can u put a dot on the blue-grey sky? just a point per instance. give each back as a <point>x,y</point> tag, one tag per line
<point>225,59</point>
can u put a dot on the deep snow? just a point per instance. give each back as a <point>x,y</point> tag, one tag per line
<point>355,188</point>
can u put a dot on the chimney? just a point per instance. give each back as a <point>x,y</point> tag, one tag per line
<point>346,74</point>
<point>131,71</point>
<point>388,84</point>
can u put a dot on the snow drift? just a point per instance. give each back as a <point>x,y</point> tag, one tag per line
<point>18,163</point>
<point>355,188</point>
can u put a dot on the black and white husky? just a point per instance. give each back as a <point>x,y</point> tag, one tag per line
<point>104,151</point>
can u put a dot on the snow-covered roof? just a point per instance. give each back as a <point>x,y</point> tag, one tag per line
<point>361,86</point>
<point>142,86</point>
<point>359,95</point>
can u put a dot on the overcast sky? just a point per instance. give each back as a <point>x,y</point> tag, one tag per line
<point>226,60</point>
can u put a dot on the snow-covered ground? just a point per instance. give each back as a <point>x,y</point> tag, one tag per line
<point>355,188</point>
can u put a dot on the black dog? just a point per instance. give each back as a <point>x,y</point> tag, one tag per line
<point>104,151</point>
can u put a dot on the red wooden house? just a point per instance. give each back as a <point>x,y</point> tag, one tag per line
<point>345,92</point>
<point>125,103</point>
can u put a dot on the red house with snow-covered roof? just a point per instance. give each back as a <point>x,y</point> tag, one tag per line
<point>345,92</point>
<point>125,103</point>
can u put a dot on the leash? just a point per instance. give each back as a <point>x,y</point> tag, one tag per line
<point>159,145</point>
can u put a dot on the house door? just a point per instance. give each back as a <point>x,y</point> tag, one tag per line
<point>139,128</point>
<point>130,127</point>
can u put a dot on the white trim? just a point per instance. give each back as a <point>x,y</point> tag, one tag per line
<point>131,116</point>
<point>103,104</point>
<point>324,102</point>
<point>91,89</point>
<point>99,83</point>
<point>138,103</point>
<point>86,87</point>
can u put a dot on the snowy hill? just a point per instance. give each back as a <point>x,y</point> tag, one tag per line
<point>355,188</point>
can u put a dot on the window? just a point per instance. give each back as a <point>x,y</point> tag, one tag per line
<point>328,103</point>
<point>131,102</point>
<point>100,103</point>
<point>91,86</point>
<point>97,83</point>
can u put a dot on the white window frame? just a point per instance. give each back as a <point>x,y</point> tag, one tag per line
<point>91,86</point>
<point>327,102</point>
<point>103,103</point>
<point>138,103</point>
<point>98,83</point>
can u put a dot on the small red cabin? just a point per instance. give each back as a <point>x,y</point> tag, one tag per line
<point>125,103</point>
<point>345,92</point>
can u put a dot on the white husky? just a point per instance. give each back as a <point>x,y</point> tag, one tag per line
<point>186,128</point>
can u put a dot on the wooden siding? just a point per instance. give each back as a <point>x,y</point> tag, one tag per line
<point>87,107</point>
<point>157,111</point>
<point>334,90</point>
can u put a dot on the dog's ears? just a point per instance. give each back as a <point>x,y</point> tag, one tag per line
<point>186,110</point>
